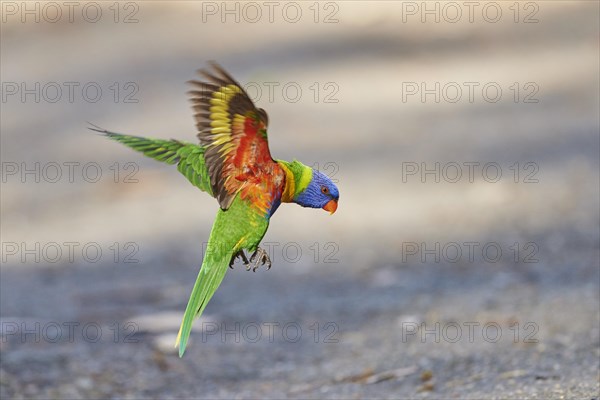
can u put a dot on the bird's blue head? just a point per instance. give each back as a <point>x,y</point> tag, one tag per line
<point>309,188</point>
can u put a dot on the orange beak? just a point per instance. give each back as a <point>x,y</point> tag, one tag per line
<point>331,206</point>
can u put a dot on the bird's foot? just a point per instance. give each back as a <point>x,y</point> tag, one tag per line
<point>242,255</point>
<point>259,257</point>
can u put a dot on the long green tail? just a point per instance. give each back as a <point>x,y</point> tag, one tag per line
<point>240,227</point>
<point>189,157</point>
<point>214,266</point>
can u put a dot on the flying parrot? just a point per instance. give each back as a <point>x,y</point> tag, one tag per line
<point>233,164</point>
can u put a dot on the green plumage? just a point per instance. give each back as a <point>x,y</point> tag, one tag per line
<point>189,157</point>
<point>233,164</point>
<point>240,227</point>
<point>237,228</point>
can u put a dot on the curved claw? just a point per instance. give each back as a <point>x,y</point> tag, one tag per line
<point>241,255</point>
<point>260,257</point>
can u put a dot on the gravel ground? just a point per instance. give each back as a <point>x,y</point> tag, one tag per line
<point>390,331</point>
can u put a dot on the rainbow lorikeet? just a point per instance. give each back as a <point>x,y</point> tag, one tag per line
<point>233,164</point>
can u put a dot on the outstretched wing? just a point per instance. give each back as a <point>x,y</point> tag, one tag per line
<point>188,156</point>
<point>233,132</point>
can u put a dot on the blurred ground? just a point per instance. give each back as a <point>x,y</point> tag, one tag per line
<point>361,304</point>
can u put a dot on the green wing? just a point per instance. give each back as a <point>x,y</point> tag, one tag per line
<point>239,227</point>
<point>189,157</point>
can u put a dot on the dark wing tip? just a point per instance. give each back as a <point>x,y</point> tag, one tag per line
<point>217,74</point>
<point>264,116</point>
<point>96,128</point>
<point>218,68</point>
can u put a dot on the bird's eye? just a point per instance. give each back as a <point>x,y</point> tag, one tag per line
<point>324,190</point>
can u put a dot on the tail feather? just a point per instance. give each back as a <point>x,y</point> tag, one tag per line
<point>207,282</point>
